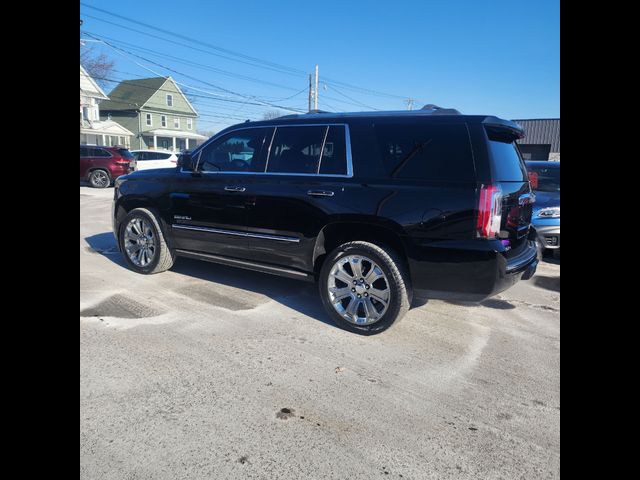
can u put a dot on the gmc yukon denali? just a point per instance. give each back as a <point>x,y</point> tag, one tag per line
<point>373,206</point>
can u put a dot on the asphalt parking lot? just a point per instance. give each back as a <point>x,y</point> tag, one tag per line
<point>206,371</point>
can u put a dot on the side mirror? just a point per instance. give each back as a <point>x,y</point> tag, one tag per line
<point>185,161</point>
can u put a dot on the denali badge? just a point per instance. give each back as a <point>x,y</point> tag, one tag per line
<point>181,217</point>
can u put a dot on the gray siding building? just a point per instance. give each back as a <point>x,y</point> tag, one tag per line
<point>541,140</point>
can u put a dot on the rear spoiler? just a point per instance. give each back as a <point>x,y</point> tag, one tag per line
<point>503,127</point>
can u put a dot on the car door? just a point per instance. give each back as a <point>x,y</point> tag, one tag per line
<point>157,160</point>
<point>85,160</point>
<point>306,182</point>
<point>142,160</point>
<point>209,205</point>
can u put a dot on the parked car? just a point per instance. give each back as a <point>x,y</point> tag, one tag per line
<point>148,159</point>
<point>102,165</point>
<point>545,182</point>
<point>371,205</point>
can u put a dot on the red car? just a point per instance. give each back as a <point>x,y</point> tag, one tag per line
<point>102,165</point>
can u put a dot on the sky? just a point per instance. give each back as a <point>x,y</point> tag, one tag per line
<point>237,60</point>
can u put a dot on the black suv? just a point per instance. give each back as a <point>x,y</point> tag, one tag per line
<point>372,205</point>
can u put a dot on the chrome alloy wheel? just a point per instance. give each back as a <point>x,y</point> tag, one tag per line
<point>100,179</point>
<point>140,242</point>
<point>358,289</point>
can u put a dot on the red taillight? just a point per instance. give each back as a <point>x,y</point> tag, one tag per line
<point>489,211</point>
<point>121,161</point>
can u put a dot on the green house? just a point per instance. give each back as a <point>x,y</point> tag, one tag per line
<point>156,111</point>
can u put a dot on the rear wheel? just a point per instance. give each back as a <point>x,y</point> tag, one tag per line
<point>99,179</point>
<point>365,287</point>
<point>142,242</point>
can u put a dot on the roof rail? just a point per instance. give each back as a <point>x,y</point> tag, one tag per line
<point>436,110</point>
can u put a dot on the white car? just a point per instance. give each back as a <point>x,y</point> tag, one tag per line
<point>148,159</point>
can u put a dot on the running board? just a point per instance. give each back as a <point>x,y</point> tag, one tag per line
<point>258,267</point>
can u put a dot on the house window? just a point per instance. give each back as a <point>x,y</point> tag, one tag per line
<point>163,120</point>
<point>176,122</point>
<point>189,123</point>
<point>169,100</point>
<point>149,121</point>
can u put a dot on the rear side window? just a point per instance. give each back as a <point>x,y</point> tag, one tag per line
<point>296,150</point>
<point>124,153</point>
<point>426,152</point>
<point>334,155</point>
<point>100,152</point>
<point>507,162</point>
<point>84,152</point>
<point>154,156</point>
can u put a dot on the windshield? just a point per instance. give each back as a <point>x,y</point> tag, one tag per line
<point>544,179</point>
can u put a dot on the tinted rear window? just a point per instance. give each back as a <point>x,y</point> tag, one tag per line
<point>100,152</point>
<point>426,152</point>
<point>334,155</point>
<point>507,163</point>
<point>296,149</point>
<point>124,153</point>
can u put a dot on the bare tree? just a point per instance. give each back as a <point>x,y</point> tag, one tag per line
<point>97,64</point>
<point>271,114</point>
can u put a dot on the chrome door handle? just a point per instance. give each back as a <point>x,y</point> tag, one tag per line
<point>320,193</point>
<point>234,189</point>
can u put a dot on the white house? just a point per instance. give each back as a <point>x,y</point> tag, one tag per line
<point>93,131</point>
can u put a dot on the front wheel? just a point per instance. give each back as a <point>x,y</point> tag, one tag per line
<point>142,242</point>
<point>365,287</point>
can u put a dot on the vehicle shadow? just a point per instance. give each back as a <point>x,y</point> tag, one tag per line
<point>550,259</point>
<point>295,294</point>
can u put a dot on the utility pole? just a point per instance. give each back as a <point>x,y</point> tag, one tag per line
<point>315,97</point>
<point>409,102</point>
<point>310,92</point>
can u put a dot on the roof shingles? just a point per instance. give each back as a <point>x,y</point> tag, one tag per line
<point>132,94</point>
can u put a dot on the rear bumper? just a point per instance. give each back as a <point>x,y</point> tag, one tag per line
<point>470,270</point>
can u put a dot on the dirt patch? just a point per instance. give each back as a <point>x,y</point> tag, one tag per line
<point>239,300</point>
<point>120,306</point>
<point>285,413</point>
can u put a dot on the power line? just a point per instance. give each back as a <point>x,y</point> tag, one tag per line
<point>352,99</point>
<point>266,63</point>
<point>257,61</point>
<point>185,91</point>
<point>114,98</point>
<point>206,67</point>
<point>189,76</point>
<point>195,64</point>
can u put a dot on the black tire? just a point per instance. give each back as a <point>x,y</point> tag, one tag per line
<point>99,178</point>
<point>396,272</point>
<point>163,258</point>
